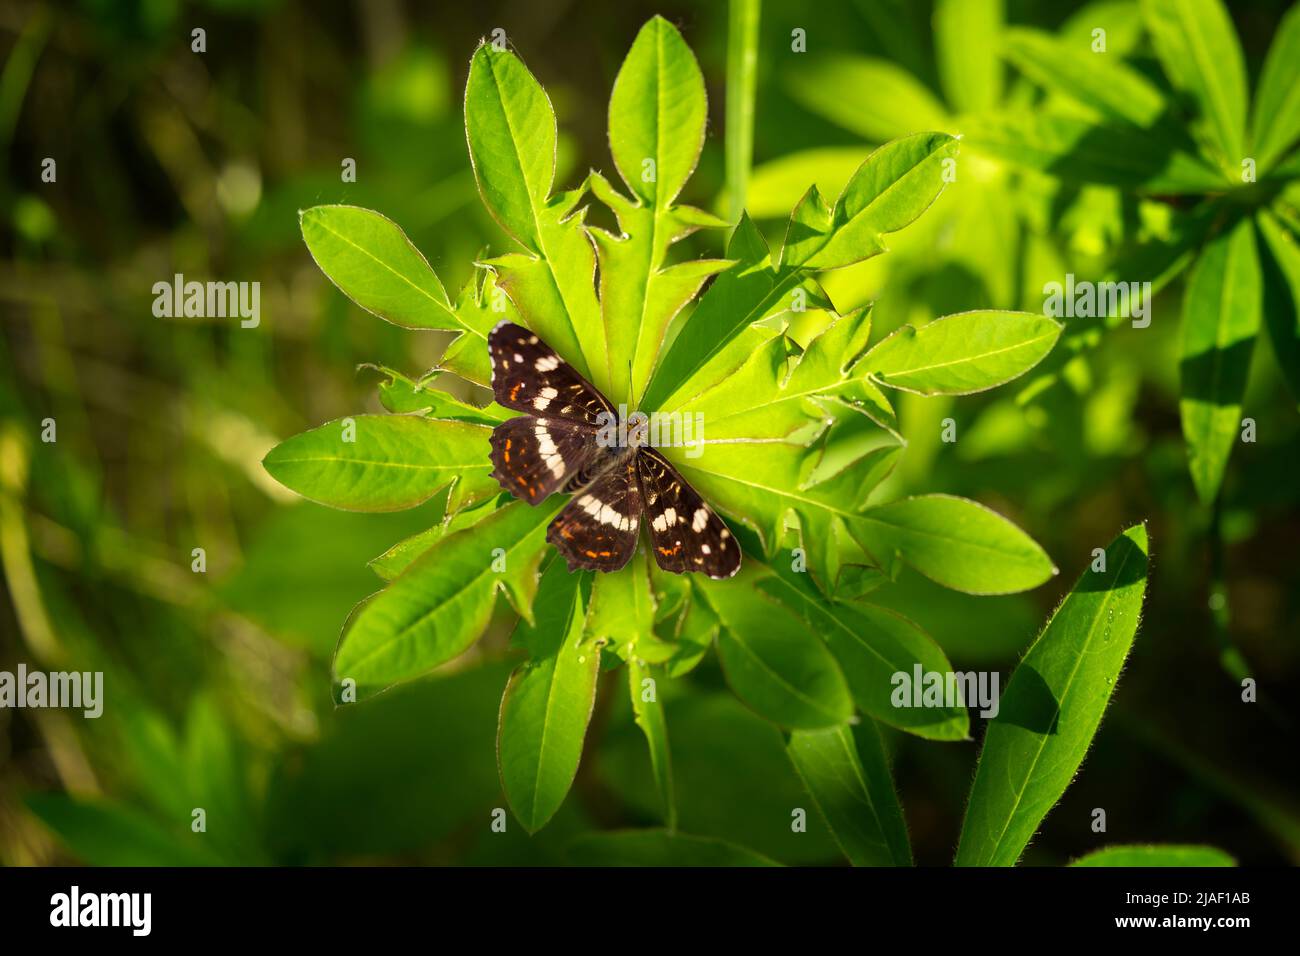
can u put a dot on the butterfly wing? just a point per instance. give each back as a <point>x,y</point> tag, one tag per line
<point>533,457</point>
<point>598,529</point>
<point>528,376</point>
<point>685,533</point>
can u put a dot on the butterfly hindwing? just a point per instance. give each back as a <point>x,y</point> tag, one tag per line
<point>528,376</point>
<point>533,457</point>
<point>599,528</point>
<point>685,533</point>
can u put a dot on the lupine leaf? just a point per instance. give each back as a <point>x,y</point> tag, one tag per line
<point>1276,110</point>
<point>1280,267</point>
<point>441,603</point>
<point>956,542</point>
<point>968,38</point>
<point>402,395</point>
<point>1079,151</point>
<point>876,99</point>
<point>649,710</point>
<point>963,353</point>
<point>548,700</point>
<point>872,644</point>
<point>1116,91</point>
<point>771,661</point>
<point>395,462</point>
<point>511,130</point>
<point>1155,854</point>
<point>657,115</point>
<point>1052,706</point>
<point>369,258</point>
<point>1198,48</point>
<point>1221,315</point>
<point>847,774</point>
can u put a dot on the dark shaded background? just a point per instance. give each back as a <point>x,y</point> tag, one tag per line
<point>217,684</point>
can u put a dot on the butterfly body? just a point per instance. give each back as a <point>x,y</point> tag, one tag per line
<point>565,442</point>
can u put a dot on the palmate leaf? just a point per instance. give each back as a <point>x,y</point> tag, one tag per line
<point>1221,316</point>
<point>403,395</point>
<point>649,710</point>
<point>1053,705</point>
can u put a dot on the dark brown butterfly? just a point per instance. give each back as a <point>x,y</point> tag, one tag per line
<point>561,443</point>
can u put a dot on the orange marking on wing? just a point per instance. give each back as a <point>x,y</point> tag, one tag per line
<point>506,453</point>
<point>515,391</point>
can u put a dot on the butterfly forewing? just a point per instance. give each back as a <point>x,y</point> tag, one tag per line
<point>598,529</point>
<point>685,533</point>
<point>528,376</point>
<point>534,457</point>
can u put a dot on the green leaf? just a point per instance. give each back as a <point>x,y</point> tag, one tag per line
<point>1155,854</point>
<point>779,183</point>
<point>968,38</point>
<point>622,606</point>
<point>956,542</point>
<point>772,662</point>
<point>872,644</point>
<point>1053,705</point>
<point>649,710</point>
<point>511,130</point>
<point>1280,267</point>
<point>1079,151</point>
<point>1116,91</point>
<point>101,833</point>
<point>442,602</point>
<point>1221,316</point>
<point>372,262</point>
<point>890,190</point>
<point>1276,110</point>
<point>745,293</point>
<point>657,112</point>
<point>1197,46</point>
<point>394,462</point>
<point>963,353</point>
<point>773,396</point>
<point>876,99</point>
<point>548,701</point>
<point>401,555</point>
<point>656,131</point>
<point>403,395</point>
<point>847,774</point>
<point>659,848</point>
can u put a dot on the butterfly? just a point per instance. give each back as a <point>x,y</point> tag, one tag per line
<point>562,443</point>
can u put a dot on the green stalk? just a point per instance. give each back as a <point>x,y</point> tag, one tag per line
<point>742,75</point>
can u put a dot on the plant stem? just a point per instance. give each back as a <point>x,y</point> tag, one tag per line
<point>742,75</point>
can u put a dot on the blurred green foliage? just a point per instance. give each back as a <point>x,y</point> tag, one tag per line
<point>218,683</point>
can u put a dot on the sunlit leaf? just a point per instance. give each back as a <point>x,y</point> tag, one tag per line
<point>1052,706</point>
